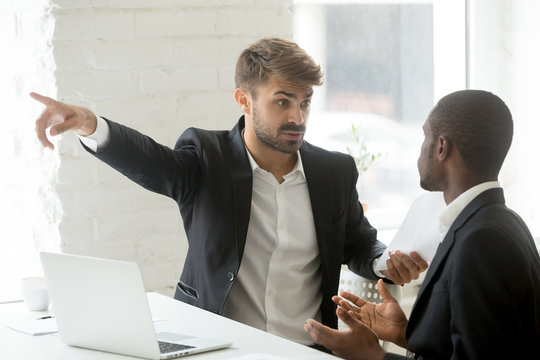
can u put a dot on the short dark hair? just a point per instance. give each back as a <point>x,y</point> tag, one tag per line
<point>481,126</point>
<point>276,57</point>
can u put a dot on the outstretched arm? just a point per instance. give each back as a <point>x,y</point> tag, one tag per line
<point>59,117</point>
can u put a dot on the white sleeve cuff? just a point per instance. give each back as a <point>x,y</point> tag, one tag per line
<point>374,265</point>
<point>99,138</point>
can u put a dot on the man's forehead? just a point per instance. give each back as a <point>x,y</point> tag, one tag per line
<point>289,87</point>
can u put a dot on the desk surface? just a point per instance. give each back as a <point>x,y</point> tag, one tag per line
<point>179,317</point>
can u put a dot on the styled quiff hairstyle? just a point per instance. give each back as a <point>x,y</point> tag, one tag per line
<point>481,126</point>
<point>280,58</point>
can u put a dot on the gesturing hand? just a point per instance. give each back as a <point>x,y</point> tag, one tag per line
<point>358,342</point>
<point>387,320</point>
<point>60,117</point>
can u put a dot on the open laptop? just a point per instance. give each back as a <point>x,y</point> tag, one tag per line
<point>101,304</point>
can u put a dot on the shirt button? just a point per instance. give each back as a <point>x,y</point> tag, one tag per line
<point>230,276</point>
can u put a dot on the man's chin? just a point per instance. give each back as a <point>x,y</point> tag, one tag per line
<point>291,147</point>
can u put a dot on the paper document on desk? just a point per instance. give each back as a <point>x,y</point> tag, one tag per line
<point>34,327</point>
<point>420,230</point>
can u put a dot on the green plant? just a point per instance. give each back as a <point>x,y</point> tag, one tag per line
<point>361,155</point>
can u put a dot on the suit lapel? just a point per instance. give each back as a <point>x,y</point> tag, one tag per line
<point>241,176</point>
<point>487,197</point>
<point>315,178</point>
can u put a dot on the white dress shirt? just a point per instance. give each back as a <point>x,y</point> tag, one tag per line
<point>279,283</point>
<point>449,215</point>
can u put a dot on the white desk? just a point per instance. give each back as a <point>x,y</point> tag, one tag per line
<point>179,317</point>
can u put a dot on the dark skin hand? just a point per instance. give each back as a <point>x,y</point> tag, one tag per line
<point>367,323</point>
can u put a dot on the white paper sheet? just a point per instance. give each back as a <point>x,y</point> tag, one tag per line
<point>34,327</point>
<point>420,229</point>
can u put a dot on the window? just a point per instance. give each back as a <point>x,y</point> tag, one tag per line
<point>386,63</point>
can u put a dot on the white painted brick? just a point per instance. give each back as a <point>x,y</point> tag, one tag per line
<point>99,85</point>
<point>151,111</point>
<point>160,276</point>
<point>77,231</point>
<point>75,172</point>
<point>230,3</point>
<point>155,24</point>
<point>106,201</point>
<point>105,177</point>
<point>132,4</point>
<point>92,25</point>
<point>200,22</point>
<point>252,21</point>
<point>71,4</point>
<point>133,54</point>
<point>71,55</point>
<point>137,225</point>
<point>216,51</point>
<point>226,77</point>
<point>161,82</point>
<point>119,250</point>
<point>212,110</point>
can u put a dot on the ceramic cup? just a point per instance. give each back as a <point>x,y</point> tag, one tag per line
<point>34,293</point>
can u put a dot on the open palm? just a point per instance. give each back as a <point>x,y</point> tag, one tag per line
<point>387,320</point>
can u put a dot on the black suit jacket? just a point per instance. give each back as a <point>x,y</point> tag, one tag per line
<point>481,295</point>
<point>208,174</point>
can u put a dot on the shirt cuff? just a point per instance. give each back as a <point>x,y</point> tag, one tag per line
<point>99,138</point>
<point>374,265</point>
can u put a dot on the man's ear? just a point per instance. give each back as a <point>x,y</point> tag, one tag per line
<point>243,99</point>
<point>444,148</point>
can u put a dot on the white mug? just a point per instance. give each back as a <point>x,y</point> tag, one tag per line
<point>35,294</point>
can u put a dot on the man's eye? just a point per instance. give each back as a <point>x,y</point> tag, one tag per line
<point>306,103</point>
<point>283,102</point>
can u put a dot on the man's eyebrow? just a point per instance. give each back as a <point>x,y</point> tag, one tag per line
<point>287,94</point>
<point>291,95</point>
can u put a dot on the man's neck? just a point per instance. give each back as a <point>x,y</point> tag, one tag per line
<point>275,162</point>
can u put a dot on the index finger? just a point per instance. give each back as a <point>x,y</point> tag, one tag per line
<point>45,100</point>
<point>356,300</point>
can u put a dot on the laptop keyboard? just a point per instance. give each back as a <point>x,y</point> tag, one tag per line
<point>167,347</point>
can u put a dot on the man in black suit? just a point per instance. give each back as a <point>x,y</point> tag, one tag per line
<point>481,295</point>
<point>269,218</point>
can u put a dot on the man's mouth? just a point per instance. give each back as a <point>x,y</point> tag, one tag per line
<point>293,135</point>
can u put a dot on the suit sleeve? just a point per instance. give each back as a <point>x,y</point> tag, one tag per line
<point>361,244</point>
<point>158,168</point>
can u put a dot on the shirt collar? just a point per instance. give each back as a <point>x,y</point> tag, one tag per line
<point>451,212</point>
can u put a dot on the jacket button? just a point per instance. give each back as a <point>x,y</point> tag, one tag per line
<point>230,276</point>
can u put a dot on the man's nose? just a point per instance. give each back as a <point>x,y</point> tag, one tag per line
<point>297,116</point>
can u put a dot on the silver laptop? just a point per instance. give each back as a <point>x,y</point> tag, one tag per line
<point>101,304</point>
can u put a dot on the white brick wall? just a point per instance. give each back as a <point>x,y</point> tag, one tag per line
<point>160,67</point>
